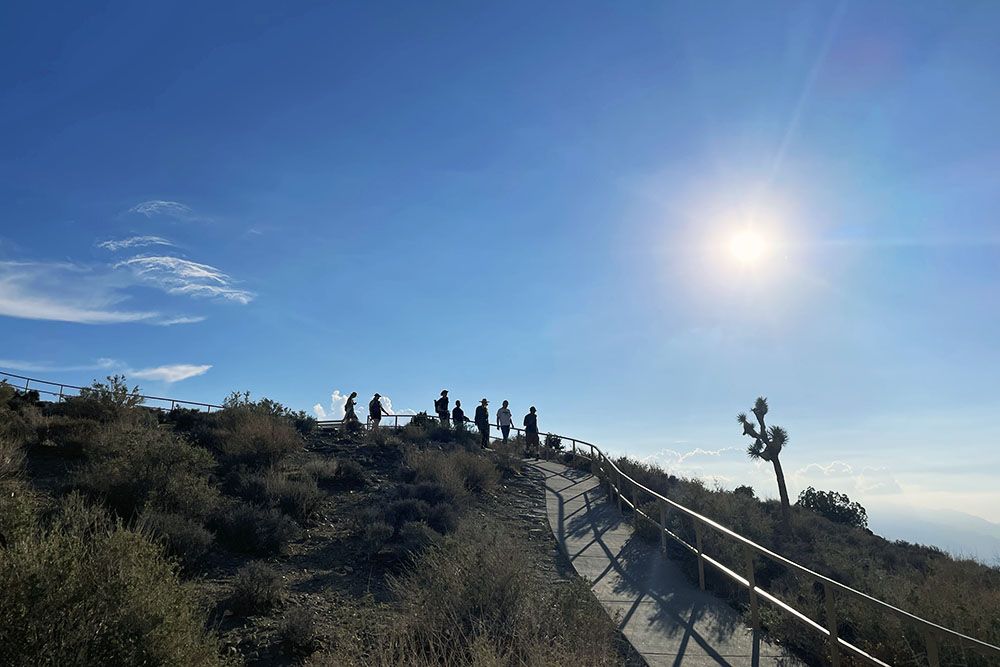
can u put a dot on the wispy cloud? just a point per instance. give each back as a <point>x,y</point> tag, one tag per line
<point>180,276</point>
<point>172,321</point>
<point>160,207</point>
<point>172,373</point>
<point>134,242</point>
<point>866,480</point>
<point>67,292</point>
<point>63,292</point>
<point>46,367</point>
<point>669,457</point>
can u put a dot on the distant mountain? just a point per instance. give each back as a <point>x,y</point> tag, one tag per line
<point>962,535</point>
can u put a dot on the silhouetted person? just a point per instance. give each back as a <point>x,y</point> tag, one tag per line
<point>441,407</point>
<point>483,423</point>
<point>531,444</point>
<point>458,416</point>
<point>349,414</point>
<point>375,410</point>
<point>505,419</point>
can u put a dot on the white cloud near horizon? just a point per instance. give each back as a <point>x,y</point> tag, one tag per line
<point>171,373</point>
<point>134,242</point>
<point>867,480</point>
<point>45,367</point>
<point>161,207</point>
<point>180,276</point>
<point>337,404</point>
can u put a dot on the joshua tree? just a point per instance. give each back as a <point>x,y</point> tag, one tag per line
<point>767,445</point>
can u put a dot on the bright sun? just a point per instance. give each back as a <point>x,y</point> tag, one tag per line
<point>749,246</point>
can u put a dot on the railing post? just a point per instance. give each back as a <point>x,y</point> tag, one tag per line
<point>831,624</point>
<point>574,448</point>
<point>26,382</point>
<point>663,527</point>
<point>618,492</point>
<point>752,580</point>
<point>395,421</point>
<point>701,561</point>
<point>635,509</point>
<point>60,394</point>
<point>933,659</point>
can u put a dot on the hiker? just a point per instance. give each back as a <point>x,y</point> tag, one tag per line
<point>483,423</point>
<point>531,443</point>
<point>505,419</point>
<point>375,411</point>
<point>441,407</point>
<point>349,414</point>
<point>458,416</point>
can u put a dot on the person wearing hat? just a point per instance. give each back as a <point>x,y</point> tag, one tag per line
<point>458,416</point>
<point>441,407</point>
<point>483,423</point>
<point>531,443</point>
<point>375,410</point>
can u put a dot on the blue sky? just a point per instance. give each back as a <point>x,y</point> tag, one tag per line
<point>532,202</point>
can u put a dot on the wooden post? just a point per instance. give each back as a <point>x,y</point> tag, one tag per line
<point>663,527</point>
<point>635,509</point>
<point>831,624</point>
<point>701,561</point>
<point>933,659</point>
<point>752,579</point>
<point>618,492</point>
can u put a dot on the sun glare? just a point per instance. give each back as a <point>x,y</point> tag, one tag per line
<point>749,246</point>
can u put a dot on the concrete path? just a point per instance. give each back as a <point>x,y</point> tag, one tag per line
<point>665,616</point>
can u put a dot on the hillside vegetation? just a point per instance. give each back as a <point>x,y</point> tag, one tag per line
<point>130,536</point>
<point>962,595</point>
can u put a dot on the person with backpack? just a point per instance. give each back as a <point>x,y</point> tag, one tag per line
<point>375,411</point>
<point>441,407</point>
<point>483,423</point>
<point>505,420</point>
<point>531,443</point>
<point>458,416</point>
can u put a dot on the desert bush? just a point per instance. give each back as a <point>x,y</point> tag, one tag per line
<point>323,471</point>
<point>159,471</point>
<point>459,471</point>
<point>300,498</point>
<point>253,435</point>
<point>246,483</point>
<point>257,588</point>
<point>253,529</point>
<point>375,535</point>
<point>20,508</point>
<point>836,507</point>
<point>68,436</point>
<point>452,615</point>
<point>350,474</point>
<point>85,590</point>
<point>11,458</point>
<point>182,537</point>
<point>298,631</point>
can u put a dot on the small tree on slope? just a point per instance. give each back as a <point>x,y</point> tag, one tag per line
<point>767,446</point>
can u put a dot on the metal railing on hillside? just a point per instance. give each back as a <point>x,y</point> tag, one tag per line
<point>621,486</point>
<point>61,392</point>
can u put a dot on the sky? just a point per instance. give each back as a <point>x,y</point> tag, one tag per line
<point>637,217</point>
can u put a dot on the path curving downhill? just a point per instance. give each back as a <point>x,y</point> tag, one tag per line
<point>665,617</point>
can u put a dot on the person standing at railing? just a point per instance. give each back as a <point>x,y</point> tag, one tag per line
<point>505,420</point>
<point>531,444</point>
<point>349,414</point>
<point>375,410</point>
<point>483,423</point>
<point>458,416</point>
<point>441,407</point>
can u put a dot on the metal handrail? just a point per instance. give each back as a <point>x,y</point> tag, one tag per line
<point>61,394</point>
<point>617,479</point>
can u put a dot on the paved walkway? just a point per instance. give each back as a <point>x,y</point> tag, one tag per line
<point>665,616</point>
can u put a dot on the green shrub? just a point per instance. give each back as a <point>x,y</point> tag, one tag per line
<point>11,458</point>
<point>88,591</point>
<point>68,436</point>
<point>350,474</point>
<point>246,483</point>
<point>159,471</point>
<point>20,507</point>
<point>254,436</point>
<point>299,498</point>
<point>252,529</point>
<point>298,631</point>
<point>324,472</point>
<point>257,588</point>
<point>184,538</point>
<point>836,507</point>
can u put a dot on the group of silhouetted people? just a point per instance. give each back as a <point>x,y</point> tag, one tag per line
<point>505,419</point>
